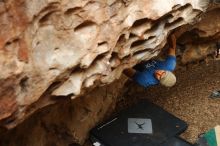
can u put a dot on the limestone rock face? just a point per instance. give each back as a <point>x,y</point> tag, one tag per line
<point>52,49</point>
<point>199,40</point>
<point>206,30</point>
<point>68,121</point>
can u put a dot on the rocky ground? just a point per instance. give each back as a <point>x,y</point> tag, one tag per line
<point>188,100</point>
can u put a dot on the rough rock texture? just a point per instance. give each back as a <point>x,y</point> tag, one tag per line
<point>198,40</point>
<point>66,122</point>
<point>62,48</point>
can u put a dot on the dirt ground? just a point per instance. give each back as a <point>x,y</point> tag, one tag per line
<point>188,99</point>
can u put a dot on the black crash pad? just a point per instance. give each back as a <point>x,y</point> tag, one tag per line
<point>144,124</point>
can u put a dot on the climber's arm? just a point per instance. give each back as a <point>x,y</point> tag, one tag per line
<point>172,48</point>
<point>170,61</point>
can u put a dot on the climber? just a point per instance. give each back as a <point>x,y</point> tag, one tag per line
<point>154,72</point>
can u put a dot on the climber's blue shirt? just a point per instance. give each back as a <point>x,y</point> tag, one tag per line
<point>145,76</point>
